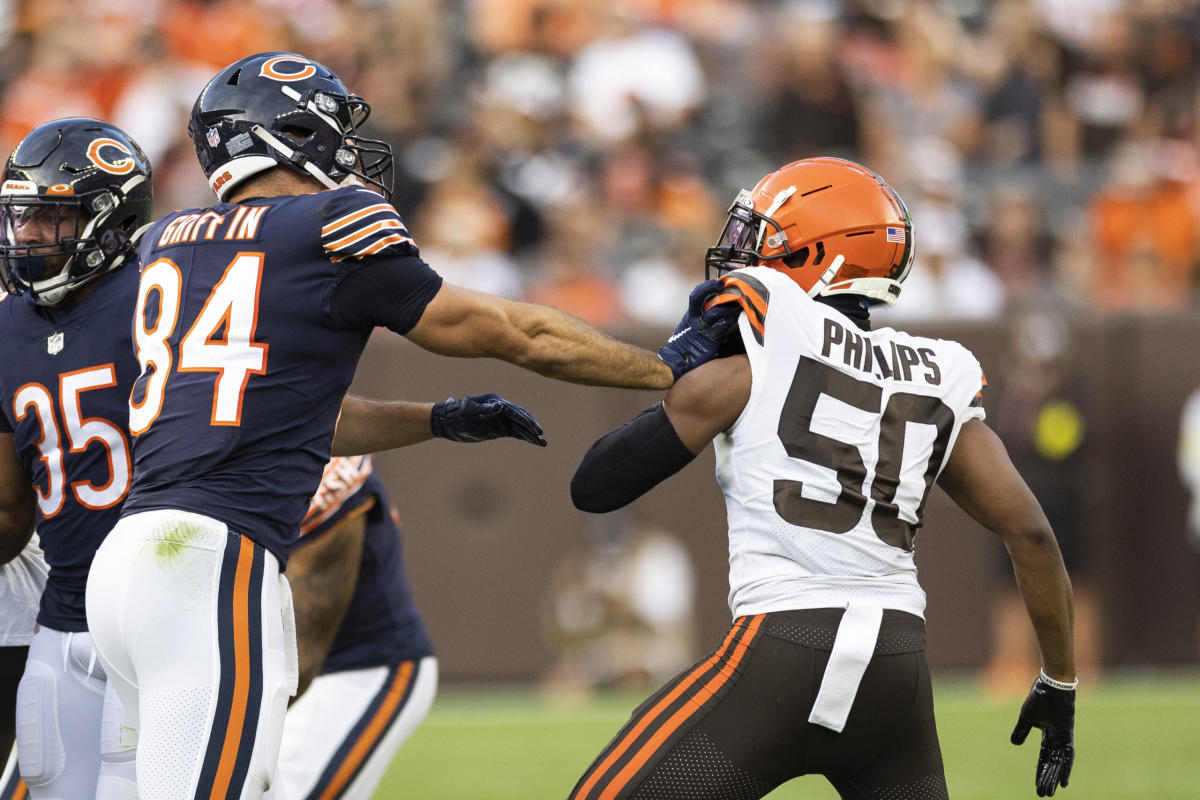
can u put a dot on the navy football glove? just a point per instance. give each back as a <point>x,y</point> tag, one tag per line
<point>699,335</point>
<point>1053,711</point>
<point>482,417</point>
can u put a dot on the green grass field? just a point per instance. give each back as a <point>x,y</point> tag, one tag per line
<point>1136,738</point>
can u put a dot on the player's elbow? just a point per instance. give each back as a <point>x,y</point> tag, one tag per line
<point>531,346</point>
<point>527,338</point>
<point>540,358</point>
<point>1029,535</point>
<point>591,495</point>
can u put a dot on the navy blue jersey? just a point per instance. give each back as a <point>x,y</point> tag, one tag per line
<point>244,363</point>
<point>64,383</point>
<point>381,625</point>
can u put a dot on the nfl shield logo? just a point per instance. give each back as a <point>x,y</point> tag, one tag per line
<point>54,344</point>
<point>214,138</point>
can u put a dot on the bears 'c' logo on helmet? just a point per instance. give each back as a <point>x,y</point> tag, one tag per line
<point>119,166</point>
<point>269,69</point>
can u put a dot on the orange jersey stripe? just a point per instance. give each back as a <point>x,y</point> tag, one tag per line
<point>363,233</point>
<point>353,217</point>
<point>371,733</point>
<point>653,713</point>
<point>752,313</point>
<point>753,296</point>
<point>387,241</point>
<point>679,717</point>
<point>375,247</point>
<point>241,685</point>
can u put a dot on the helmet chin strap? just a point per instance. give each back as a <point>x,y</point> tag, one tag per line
<point>826,276</point>
<point>296,159</point>
<point>54,295</point>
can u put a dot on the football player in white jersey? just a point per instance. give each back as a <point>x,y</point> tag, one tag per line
<point>829,437</point>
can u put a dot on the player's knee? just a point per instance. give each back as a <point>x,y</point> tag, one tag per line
<point>40,750</point>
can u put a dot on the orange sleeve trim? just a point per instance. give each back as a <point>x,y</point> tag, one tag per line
<point>753,296</point>
<point>341,479</point>
<point>750,301</point>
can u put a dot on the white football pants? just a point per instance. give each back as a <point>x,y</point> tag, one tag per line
<point>69,726</point>
<point>194,626</point>
<point>342,733</point>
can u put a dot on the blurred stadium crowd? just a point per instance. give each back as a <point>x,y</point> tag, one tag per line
<point>583,153</point>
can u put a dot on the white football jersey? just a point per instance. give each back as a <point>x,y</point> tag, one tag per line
<point>827,470</point>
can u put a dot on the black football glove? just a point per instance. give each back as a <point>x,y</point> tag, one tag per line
<point>700,333</point>
<point>1053,711</point>
<point>482,417</point>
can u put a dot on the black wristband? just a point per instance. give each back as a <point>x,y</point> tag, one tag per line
<point>628,462</point>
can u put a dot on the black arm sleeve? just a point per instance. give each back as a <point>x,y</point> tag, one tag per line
<point>391,292</point>
<point>625,464</point>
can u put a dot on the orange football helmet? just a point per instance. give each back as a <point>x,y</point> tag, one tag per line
<point>830,225</point>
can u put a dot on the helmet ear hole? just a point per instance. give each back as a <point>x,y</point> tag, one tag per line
<point>296,132</point>
<point>798,259</point>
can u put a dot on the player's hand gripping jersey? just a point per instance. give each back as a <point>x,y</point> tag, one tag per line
<point>61,379</point>
<point>246,351</point>
<point>827,470</point>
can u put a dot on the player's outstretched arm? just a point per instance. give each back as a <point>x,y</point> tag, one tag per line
<point>323,573</point>
<point>465,323</point>
<point>371,426</point>
<point>983,481</point>
<point>16,502</point>
<point>628,462</point>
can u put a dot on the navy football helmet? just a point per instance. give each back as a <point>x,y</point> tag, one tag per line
<point>86,184</point>
<point>284,109</point>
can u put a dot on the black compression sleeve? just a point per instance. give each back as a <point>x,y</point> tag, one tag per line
<point>625,464</point>
<point>389,292</point>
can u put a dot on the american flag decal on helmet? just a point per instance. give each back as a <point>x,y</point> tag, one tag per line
<point>895,235</point>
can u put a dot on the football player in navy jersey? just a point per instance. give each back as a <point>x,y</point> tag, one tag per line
<point>75,195</point>
<point>368,674</point>
<point>74,199</point>
<point>250,318</point>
